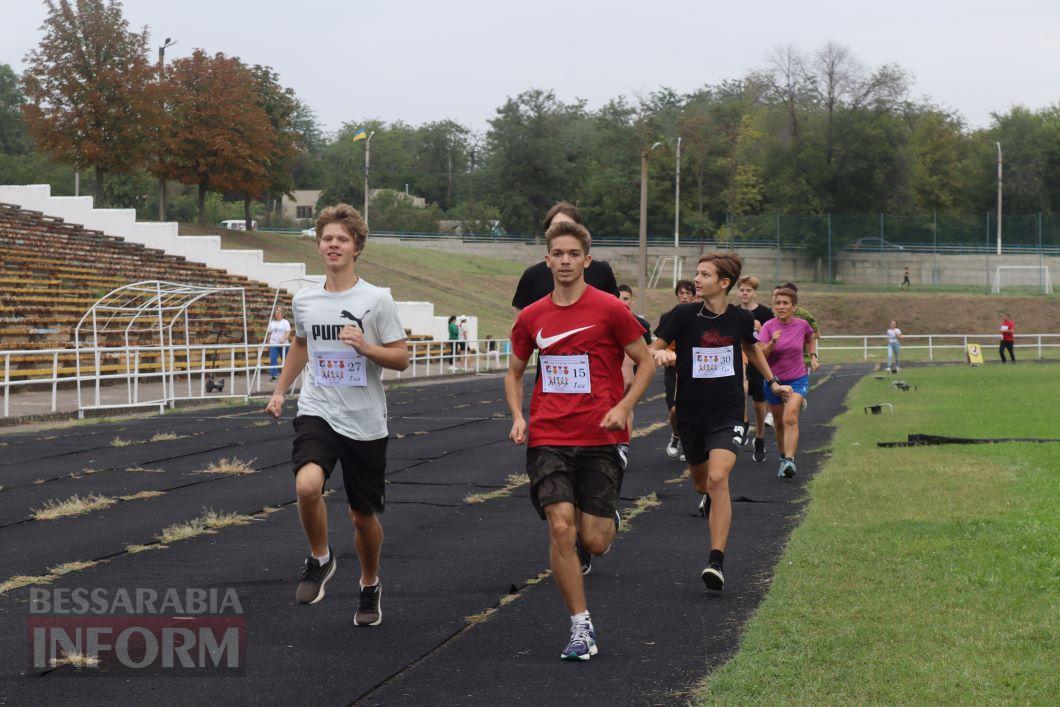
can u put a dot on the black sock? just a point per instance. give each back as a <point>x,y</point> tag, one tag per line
<point>716,557</point>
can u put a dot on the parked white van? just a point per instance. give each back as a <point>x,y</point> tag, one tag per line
<point>238,224</point>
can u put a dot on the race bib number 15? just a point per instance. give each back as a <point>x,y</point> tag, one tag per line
<point>714,362</point>
<point>340,369</point>
<point>565,374</point>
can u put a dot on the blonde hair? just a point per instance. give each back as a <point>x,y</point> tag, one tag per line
<point>350,220</point>
<point>750,280</point>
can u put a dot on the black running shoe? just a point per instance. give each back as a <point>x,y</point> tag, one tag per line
<point>759,454</point>
<point>314,577</point>
<point>712,577</point>
<point>369,610</point>
<point>584,557</point>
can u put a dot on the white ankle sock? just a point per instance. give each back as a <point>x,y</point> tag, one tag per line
<point>582,618</point>
<point>323,559</point>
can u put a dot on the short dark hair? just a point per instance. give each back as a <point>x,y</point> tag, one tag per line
<point>728,266</point>
<point>787,286</point>
<point>626,288</point>
<point>563,207</point>
<point>686,285</point>
<point>786,292</point>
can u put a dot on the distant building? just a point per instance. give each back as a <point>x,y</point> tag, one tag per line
<point>303,207</point>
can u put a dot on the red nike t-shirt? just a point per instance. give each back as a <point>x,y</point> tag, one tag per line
<point>593,331</point>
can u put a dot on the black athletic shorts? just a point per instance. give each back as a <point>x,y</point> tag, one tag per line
<point>755,384</point>
<point>670,383</point>
<point>697,440</point>
<point>363,462</point>
<point>588,477</point>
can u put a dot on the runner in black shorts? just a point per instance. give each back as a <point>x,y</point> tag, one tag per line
<point>685,290</point>
<point>348,330</point>
<point>712,338</point>
<point>578,415</point>
<point>748,292</point>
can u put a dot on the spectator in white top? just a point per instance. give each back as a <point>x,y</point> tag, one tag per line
<point>278,335</point>
<point>894,347</point>
<point>465,330</point>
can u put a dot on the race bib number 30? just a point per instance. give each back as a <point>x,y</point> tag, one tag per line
<point>340,369</point>
<point>565,374</point>
<point>712,362</point>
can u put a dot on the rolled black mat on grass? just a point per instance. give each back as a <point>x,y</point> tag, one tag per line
<point>922,440</point>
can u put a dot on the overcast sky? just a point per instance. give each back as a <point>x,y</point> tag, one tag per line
<point>419,61</point>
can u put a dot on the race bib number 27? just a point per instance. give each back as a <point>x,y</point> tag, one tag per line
<point>712,362</point>
<point>340,369</point>
<point>565,374</point>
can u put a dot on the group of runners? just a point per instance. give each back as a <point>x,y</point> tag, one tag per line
<point>595,361</point>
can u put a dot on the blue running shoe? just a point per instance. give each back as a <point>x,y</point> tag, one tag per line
<point>582,645</point>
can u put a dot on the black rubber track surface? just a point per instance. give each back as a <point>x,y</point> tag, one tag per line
<point>444,560</point>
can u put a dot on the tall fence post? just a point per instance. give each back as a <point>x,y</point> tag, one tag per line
<point>935,248</point>
<point>55,381</point>
<point>865,348</point>
<point>777,279</point>
<point>7,384</point>
<point>830,278</point>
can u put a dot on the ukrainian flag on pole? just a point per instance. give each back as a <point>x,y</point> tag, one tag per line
<point>361,134</point>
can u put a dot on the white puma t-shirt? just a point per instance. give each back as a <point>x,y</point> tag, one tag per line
<point>354,406</point>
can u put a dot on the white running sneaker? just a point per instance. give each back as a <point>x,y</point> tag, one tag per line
<point>769,419</point>
<point>674,447</point>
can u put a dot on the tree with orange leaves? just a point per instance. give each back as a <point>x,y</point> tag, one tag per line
<point>89,89</point>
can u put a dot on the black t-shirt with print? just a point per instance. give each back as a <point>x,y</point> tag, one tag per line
<point>717,341</point>
<point>537,282</point>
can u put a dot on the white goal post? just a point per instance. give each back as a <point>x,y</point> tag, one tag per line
<point>1022,276</point>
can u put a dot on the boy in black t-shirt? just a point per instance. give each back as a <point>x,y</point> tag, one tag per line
<point>712,338</point>
<point>748,292</point>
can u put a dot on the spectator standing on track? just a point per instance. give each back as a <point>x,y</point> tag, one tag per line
<point>278,335</point>
<point>578,415</point>
<point>454,336</point>
<point>536,281</point>
<point>349,331</point>
<point>783,340</point>
<point>894,347</point>
<point>1008,338</point>
<point>685,291</point>
<point>748,293</point>
<point>629,369</point>
<point>711,338</point>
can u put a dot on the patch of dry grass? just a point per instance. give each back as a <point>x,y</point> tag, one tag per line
<point>686,474</point>
<point>644,431</point>
<point>209,522</point>
<point>166,437</point>
<point>73,506</point>
<point>143,470</point>
<point>232,467</point>
<point>54,573</point>
<point>77,660</point>
<point>641,505</point>
<point>261,423</point>
<point>142,494</point>
<point>133,549</point>
<point>514,482</point>
<point>120,442</point>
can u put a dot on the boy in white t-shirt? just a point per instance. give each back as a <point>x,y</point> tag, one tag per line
<point>278,334</point>
<point>347,331</point>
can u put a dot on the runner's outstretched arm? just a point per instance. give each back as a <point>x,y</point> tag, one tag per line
<point>293,364</point>
<point>513,393</point>
<point>616,417</point>
<point>756,356</point>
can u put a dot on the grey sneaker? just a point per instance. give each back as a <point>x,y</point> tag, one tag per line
<point>314,577</point>
<point>584,557</point>
<point>704,505</point>
<point>369,610</point>
<point>582,644</point>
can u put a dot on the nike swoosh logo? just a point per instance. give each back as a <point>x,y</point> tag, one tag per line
<point>543,342</point>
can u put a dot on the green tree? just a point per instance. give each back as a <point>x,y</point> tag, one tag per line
<point>14,140</point>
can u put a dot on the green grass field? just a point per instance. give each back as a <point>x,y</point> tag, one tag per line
<point>925,575</point>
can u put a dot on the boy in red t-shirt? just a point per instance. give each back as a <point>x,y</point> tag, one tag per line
<point>578,414</point>
<point>1008,338</point>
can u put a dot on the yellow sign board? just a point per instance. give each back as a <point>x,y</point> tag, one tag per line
<point>974,355</point>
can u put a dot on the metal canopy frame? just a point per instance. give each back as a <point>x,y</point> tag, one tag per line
<point>141,312</point>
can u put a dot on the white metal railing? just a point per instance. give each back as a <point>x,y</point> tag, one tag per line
<point>934,343</point>
<point>132,376</point>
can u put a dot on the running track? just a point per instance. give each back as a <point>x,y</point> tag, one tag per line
<point>443,559</point>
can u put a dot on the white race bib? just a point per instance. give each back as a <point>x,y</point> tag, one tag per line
<point>565,374</point>
<point>713,362</point>
<point>340,369</point>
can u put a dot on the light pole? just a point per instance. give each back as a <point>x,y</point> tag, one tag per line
<point>642,249</point>
<point>161,73</point>
<point>998,197</point>
<point>677,210</point>
<point>367,161</point>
